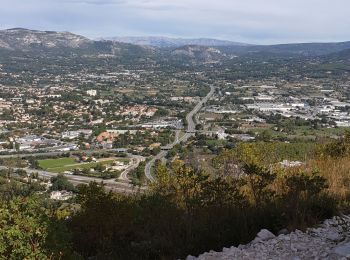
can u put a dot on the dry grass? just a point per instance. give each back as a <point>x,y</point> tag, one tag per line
<point>337,173</point>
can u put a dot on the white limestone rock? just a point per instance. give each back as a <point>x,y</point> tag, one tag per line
<point>324,242</point>
<point>263,235</point>
<point>343,249</point>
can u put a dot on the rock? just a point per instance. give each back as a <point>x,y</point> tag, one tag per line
<point>316,243</point>
<point>286,238</point>
<point>334,236</point>
<point>300,247</point>
<point>298,232</point>
<point>264,235</point>
<point>283,232</point>
<point>325,254</point>
<point>343,249</point>
<point>225,249</point>
<point>241,246</point>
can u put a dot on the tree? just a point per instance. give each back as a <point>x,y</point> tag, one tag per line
<point>259,179</point>
<point>28,232</point>
<point>61,182</point>
<point>336,149</point>
<point>138,175</point>
<point>265,136</point>
<point>100,167</point>
<point>199,127</point>
<point>304,198</point>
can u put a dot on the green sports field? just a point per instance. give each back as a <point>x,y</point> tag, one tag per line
<point>54,163</point>
<point>69,164</point>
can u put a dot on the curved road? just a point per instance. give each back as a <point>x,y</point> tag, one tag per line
<point>109,184</point>
<point>136,159</point>
<point>191,129</point>
<point>122,184</point>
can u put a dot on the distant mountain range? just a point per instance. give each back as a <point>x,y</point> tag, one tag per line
<point>294,49</point>
<point>19,41</point>
<point>20,38</point>
<point>156,49</point>
<point>167,42</point>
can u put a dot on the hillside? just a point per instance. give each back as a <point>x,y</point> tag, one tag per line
<point>165,42</point>
<point>341,56</point>
<point>40,50</point>
<point>237,48</point>
<point>197,54</point>
<point>294,49</point>
<point>19,42</point>
<point>27,41</point>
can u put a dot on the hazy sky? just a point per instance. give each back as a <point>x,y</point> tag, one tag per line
<point>251,21</point>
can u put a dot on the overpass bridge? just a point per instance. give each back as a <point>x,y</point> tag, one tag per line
<point>166,148</point>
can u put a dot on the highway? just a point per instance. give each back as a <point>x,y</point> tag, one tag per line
<point>135,161</point>
<point>109,184</point>
<point>191,129</point>
<point>38,154</point>
<point>122,184</point>
<point>149,165</point>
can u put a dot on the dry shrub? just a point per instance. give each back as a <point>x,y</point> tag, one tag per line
<point>337,173</point>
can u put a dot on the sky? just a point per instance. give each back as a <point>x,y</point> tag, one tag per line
<point>249,21</point>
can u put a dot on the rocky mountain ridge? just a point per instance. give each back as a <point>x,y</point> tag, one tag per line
<point>31,43</point>
<point>195,53</point>
<point>19,42</point>
<point>167,42</point>
<point>20,38</point>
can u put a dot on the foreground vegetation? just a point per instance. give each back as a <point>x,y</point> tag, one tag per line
<point>187,211</point>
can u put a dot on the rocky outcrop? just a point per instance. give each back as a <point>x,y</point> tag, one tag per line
<point>19,39</point>
<point>331,240</point>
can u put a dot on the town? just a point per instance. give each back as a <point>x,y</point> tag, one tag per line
<point>140,112</point>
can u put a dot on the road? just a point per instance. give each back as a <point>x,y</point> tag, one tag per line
<point>135,161</point>
<point>189,118</point>
<point>122,184</point>
<point>89,152</point>
<point>191,129</point>
<point>149,165</point>
<point>109,184</point>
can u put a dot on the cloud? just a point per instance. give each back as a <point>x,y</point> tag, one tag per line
<point>256,21</point>
<point>95,2</point>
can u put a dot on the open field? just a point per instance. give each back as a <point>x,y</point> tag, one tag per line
<point>54,163</point>
<point>68,164</point>
<point>79,166</point>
